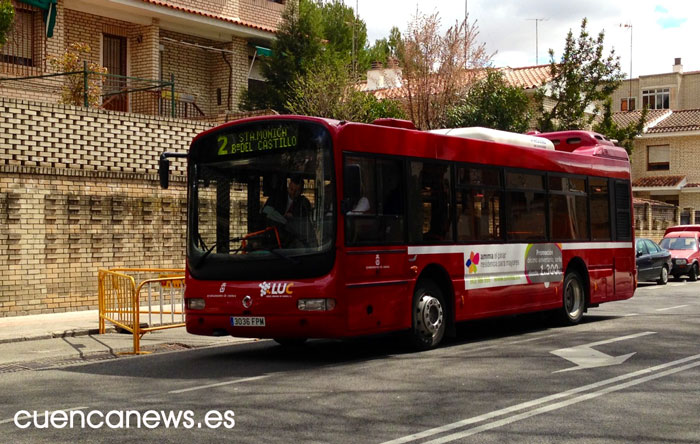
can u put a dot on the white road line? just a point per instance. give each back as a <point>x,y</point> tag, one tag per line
<point>559,405</point>
<point>536,402</point>
<point>5,421</point>
<point>202,387</point>
<point>671,308</point>
<point>622,338</point>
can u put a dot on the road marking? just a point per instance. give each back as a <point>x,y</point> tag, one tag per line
<point>6,421</point>
<point>671,308</point>
<point>559,405</point>
<point>518,407</point>
<point>585,356</point>
<point>220,384</point>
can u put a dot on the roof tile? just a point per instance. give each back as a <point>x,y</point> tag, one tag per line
<point>658,181</point>
<point>210,15</point>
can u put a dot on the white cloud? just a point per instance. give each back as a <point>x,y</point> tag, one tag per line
<point>505,28</point>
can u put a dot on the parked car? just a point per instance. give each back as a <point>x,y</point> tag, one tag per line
<point>682,242</point>
<point>653,262</point>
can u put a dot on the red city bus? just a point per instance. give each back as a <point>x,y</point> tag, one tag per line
<point>302,227</point>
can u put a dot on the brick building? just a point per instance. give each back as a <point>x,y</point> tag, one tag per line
<point>666,157</point>
<point>78,186</point>
<point>207,46</point>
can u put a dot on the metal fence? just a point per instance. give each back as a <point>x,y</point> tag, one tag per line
<point>130,296</point>
<point>107,91</point>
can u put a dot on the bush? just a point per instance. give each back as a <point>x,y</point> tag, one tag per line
<point>73,92</point>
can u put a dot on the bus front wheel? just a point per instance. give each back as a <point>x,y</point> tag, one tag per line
<point>574,299</point>
<point>429,316</point>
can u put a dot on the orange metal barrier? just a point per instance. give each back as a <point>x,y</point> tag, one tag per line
<point>158,294</point>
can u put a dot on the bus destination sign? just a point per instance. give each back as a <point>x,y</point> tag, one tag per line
<point>258,139</point>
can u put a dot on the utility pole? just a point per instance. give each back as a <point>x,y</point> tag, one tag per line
<point>537,38</point>
<point>466,35</point>
<point>629,96</point>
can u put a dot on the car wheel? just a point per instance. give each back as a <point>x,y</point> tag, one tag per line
<point>574,299</point>
<point>663,278</point>
<point>429,316</point>
<point>693,274</point>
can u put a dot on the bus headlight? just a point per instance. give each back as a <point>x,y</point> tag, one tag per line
<point>316,304</point>
<point>196,304</point>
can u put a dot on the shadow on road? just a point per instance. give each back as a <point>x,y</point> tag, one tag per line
<point>267,357</point>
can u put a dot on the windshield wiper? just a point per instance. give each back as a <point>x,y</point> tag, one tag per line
<point>274,251</point>
<point>278,253</point>
<point>216,244</point>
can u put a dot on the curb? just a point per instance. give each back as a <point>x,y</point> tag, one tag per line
<point>59,334</point>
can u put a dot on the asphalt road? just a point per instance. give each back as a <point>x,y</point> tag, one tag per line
<point>629,373</point>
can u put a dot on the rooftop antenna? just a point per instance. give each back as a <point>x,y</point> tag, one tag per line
<point>537,38</point>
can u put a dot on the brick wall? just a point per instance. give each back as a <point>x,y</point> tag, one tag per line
<point>684,157</point>
<point>79,191</point>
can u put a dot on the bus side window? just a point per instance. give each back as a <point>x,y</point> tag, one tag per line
<point>479,201</point>
<point>600,209</point>
<point>360,219</point>
<point>429,202</point>
<point>526,200</point>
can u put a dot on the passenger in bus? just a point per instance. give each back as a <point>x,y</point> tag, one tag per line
<point>296,228</point>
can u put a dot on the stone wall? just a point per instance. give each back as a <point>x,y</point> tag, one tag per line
<point>79,191</point>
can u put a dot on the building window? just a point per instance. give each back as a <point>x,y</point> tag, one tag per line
<point>659,98</point>
<point>628,104</point>
<point>658,157</point>
<point>20,48</point>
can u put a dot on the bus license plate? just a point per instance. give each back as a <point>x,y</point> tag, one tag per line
<point>247,321</point>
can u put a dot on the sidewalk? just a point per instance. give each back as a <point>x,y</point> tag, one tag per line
<point>48,340</point>
<point>47,326</point>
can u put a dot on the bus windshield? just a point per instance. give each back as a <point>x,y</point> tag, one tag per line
<point>261,192</point>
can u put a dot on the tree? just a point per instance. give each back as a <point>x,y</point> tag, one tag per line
<point>433,67</point>
<point>581,81</point>
<point>384,50</point>
<point>624,135</point>
<point>311,34</point>
<point>493,103</point>
<point>7,16</point>
<point>328,91</point>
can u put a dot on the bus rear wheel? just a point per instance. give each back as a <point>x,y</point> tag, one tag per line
<point>574,296</point>
<point>429,316</point>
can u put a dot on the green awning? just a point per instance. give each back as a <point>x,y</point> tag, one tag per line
<point>259,50</point>
<point>48,8</point>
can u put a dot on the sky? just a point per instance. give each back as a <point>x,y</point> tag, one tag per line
<point>662,30</point>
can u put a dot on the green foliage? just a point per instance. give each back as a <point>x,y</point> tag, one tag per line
<point>7,17</point>
<point>384,49</point>
<point>327,91</point>
<point>624,135</point>
<point>492,103</point>
<point>311,34</point>
<point>74,87</point>
<point>582,80</point>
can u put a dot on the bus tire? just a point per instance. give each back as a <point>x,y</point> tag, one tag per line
<point>574,299</point>
<point>290,342</point>
<point>429,317</point>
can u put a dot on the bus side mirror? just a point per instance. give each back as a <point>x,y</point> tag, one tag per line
<point>164,172</point>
